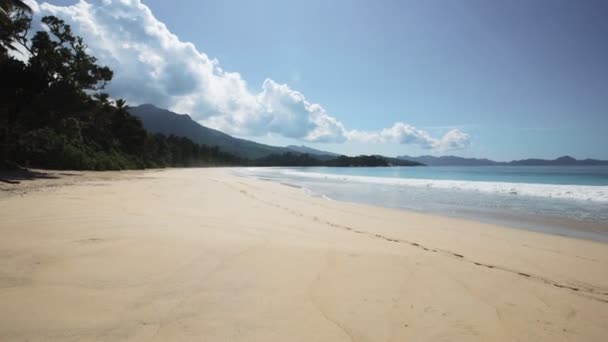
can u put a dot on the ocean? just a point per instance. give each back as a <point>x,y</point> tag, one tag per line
<point>563,200</point>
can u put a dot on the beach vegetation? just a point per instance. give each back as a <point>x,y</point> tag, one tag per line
<point>54,113</point>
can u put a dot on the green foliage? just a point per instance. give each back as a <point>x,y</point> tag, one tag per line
<point>61,57</point>
<point>15,21</point>
<point>357,161</point>
<point>298,159</point>
<point>47,148</point>
<point>50,116</point>
<point>288,159</point>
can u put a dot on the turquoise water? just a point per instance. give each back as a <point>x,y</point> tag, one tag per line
<point>573,175</point>
<point>567,200</point>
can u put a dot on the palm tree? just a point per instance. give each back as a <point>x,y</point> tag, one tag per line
<point>121,105</point>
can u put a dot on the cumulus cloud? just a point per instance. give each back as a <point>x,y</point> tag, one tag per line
<point>401,133</point>
<point>284,111</point>
<point>453,140</point>
<point>152,65</point>
<point>406,134</point>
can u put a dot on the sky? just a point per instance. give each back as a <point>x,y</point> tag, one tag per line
<point>476,78</point>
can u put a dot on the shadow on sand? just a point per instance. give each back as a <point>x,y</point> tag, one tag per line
<point>18,175</point>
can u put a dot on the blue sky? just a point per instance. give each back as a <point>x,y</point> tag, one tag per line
<point>498,79</point>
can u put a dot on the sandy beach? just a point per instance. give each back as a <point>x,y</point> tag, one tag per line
<point>204,255</point>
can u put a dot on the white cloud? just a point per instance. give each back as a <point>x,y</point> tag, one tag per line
<point>401,133</point>
<point>453,140</point>
<point>151,65</point>
<point>406,134</point>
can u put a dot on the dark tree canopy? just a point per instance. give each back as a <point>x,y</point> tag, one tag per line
<point>15,21</point>
<point>62,59</point>
<point>53,115</point>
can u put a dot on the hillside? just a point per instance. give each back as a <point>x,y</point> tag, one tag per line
<point>158,120</point>
<point>312,151</point>
<point>166,122</point>
<point>562,161</point>
<point>449,161</point>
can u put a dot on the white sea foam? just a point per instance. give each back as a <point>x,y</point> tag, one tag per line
<point>561,191</point>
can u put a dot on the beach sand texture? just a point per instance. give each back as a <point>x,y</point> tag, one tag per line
<point>203,255</point>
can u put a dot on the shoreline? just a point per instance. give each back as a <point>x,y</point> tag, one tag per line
<point>578,228</point>
<point>202,254</point>
<point>569,228</point>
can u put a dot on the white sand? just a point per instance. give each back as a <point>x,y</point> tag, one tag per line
<point>201,255</point>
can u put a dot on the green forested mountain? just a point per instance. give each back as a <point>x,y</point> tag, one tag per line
<point>158,120</point>
<point>313,151</point>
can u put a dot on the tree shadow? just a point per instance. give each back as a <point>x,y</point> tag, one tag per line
<point>18,175</point>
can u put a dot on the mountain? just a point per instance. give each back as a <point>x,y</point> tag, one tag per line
<point>459,161</point>
<point>305,159</point>
<point>400,162</point>
<point>449,161</point>
<point>310,150</point>
<point>158,120</point>
<point>565,160</point>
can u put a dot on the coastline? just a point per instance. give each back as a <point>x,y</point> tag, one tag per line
<point>202,254</point>
<point>582,219</point>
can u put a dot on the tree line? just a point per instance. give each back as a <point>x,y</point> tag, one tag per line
<point>54,113</point>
